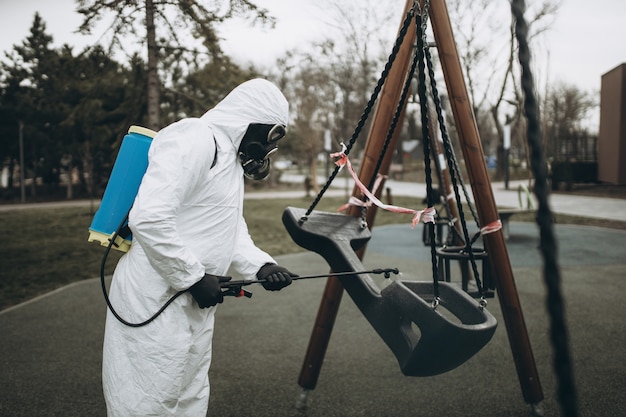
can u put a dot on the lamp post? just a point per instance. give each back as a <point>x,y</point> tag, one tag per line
<point>21,141</point>
<point>507,149</point>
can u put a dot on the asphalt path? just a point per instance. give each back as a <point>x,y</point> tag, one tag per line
<point>51,346</point>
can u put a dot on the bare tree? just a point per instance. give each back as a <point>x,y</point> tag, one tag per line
<point>488,51</point>
<point>162,25</point>
<point>566,108</point>
<point>330,84</point>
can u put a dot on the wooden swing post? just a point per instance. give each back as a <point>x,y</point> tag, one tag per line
<point>382,118</point>
<point>485,202</point>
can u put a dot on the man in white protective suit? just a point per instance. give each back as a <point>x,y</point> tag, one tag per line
<point>188,230</point>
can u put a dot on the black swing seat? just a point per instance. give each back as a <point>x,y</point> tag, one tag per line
<point>424,340</point>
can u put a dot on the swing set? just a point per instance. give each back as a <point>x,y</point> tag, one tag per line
<point>431,327</point>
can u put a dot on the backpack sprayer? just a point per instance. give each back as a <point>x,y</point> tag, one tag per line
<point>130,166</point>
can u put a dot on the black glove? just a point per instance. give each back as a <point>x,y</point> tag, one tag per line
<point>276,277</point>
<point>208,292</point>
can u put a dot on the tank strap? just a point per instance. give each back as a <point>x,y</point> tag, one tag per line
<point>214,157</point>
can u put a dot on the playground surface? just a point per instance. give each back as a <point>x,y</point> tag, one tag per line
<point>51,346</point>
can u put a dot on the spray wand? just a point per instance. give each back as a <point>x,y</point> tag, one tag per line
<point>235,288</point>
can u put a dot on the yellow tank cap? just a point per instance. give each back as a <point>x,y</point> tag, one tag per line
<point>121,245</point>
<point>142,131</point>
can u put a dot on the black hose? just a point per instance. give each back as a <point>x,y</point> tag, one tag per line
<point>104,288</point>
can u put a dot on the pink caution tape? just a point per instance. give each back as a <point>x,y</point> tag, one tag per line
<point>427,215</point>
<point>491,227</point>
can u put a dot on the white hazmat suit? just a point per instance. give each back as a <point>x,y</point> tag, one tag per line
<point>186,221</point>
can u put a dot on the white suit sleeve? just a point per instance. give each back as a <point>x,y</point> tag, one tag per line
<point>177,156</point>
<point>248,258</point>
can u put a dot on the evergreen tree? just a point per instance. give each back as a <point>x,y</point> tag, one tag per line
<point>27,100</point>
<point>194,94</point>
<point>102,100</point>
<point>74,110</point>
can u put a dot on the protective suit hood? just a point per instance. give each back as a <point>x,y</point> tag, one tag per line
<point>254,101</point>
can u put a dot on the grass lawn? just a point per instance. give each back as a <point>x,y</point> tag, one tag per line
<point>44,249</point>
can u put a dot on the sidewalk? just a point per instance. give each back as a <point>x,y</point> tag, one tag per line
<point>576,205</point>
<point>594,207</point>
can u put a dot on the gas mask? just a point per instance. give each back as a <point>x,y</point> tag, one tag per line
<point>258,144</point>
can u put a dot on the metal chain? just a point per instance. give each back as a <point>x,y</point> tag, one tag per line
<point>396,119</point>
<point>424,16</point>
<point>455,173</point>
<point>394,52</point>
<point>449,151</point>
<point>425,119</point>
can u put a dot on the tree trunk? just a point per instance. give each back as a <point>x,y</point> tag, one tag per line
<point>87,162</point>
<point>69,189</point>
<point>33,184</point>
<point>11,182</point>
<point>314,183</point>
<point>153,75</point>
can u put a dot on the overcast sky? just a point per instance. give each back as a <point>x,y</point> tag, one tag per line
<point>586,40</point>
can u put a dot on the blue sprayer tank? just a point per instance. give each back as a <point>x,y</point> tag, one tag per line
<point>130,166</point>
